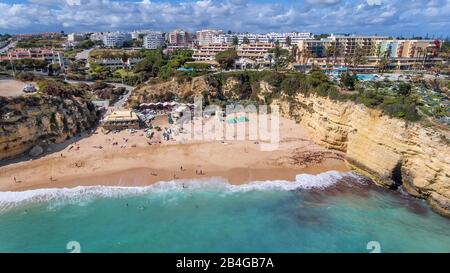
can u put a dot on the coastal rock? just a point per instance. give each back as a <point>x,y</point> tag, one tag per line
<point>36,151</point>
<point>391,151</point>
<point>31,120</point>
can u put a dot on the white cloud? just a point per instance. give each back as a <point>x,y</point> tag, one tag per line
<point>373,2</point>
<point>323,2</point>
<point>73,2</point>
<point>365,16</point>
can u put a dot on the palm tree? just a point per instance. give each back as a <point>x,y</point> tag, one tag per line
<point>358,57</point>
<point>417,57</point>
<point>328,52</point>
<point>294,52</point>
<point>384,62</point>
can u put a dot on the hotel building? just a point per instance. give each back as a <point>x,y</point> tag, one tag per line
<point>75,37</point>
<point>116,39</point>
<point>205,36</point>
<point>154,40</point>
<point>254,51</point>
<point>208,52</point>
<point>178,37</point>
<point>336,49</point>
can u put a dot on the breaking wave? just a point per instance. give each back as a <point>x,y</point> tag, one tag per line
<point>9,200</point>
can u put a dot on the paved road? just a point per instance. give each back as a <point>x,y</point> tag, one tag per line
<point>8,46</point>
<point>83,55</point>
<point>119,104</point>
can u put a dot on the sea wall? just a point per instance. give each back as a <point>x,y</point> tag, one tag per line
<point>391,151</point>
<point>40,120</point>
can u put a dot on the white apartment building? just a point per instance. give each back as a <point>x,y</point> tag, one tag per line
<point>153,40</point>
<point>262,38</point>
<point>75,37</point>
<point>294,36</point>
<point>135,34</point>
<point>253,38</point>
<point>116,39</point>
<point>96,36</point>
<point>222,39</point>
<point>205,36</point>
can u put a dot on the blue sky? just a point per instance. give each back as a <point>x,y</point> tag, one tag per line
<point>387,17</point>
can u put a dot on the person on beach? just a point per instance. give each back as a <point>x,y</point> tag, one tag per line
<point>15,180</point>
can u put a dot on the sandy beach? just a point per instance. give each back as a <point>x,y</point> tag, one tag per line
<point>126,159</point>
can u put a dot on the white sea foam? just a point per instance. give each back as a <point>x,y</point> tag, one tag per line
<point>82,194</point>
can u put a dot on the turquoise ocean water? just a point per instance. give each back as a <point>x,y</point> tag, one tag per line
<point>331,212</point>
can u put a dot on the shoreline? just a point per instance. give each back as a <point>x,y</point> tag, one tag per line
<point>126,159</point>
<point>142,177</point>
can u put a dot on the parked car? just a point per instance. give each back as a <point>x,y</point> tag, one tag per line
<point>29,88</point>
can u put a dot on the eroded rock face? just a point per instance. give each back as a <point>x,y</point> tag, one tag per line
<point>26,122</point>
<point>389,150</point>
<point>36,151</point>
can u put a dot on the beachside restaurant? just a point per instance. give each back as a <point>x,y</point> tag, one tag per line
<point>120,120</point>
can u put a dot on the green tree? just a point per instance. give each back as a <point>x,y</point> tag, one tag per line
<point>404,89</point>
<point>288,41</point>
<point>348,80</point>
<point>227,58</point>
<point>235,40</point>
<point>246,40</point>
<point>50,70</point>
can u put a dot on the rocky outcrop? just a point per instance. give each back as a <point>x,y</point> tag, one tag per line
<point>38,120</point>
<point>391,151</point>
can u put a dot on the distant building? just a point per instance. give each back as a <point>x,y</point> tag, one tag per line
<point>33,53</point>
<point>96,36</point>
<point>335,50</point>
<point>75,37</point>
<point>117,63</point>
<point>222,39</point>
<point>272,37</point>
<point>178,37</point>
<point>116,39</point>
<point>205,36</point>
<point>153,40</point>
<point>256,52</point>
<point>208,52</point>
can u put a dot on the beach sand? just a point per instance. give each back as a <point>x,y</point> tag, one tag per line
<point>133,162</point>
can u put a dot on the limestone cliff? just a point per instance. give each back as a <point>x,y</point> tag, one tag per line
<point>41,119</point>
<point>389,150</point>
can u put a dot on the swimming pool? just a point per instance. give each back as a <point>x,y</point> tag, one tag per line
<point>367,77</point>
